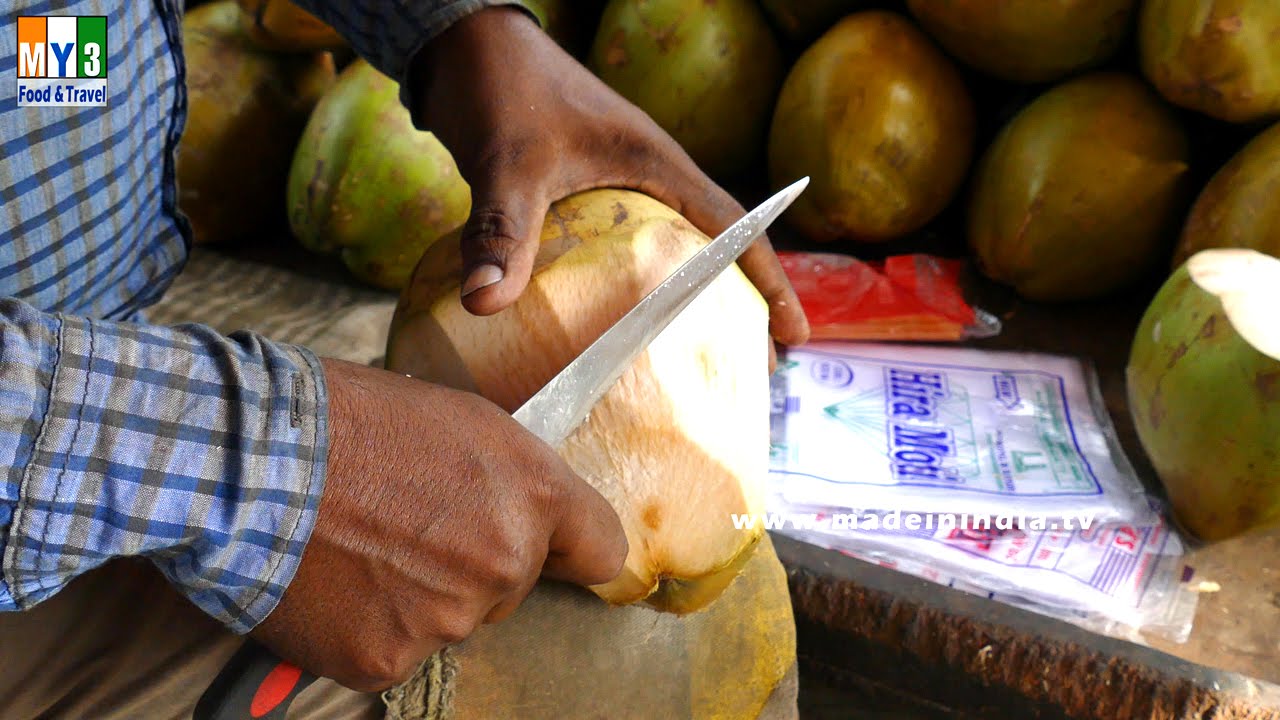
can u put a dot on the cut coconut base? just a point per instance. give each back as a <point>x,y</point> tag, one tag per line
<point>1247,283</point>
<point>680,443</point>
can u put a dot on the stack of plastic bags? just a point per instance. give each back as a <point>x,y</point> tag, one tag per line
<point>996,473</point>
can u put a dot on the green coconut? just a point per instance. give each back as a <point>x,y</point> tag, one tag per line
<point>706,72</point>
<point>1220,58</point>
<point>246,110</point>
<point>1027,41</point>
<point>881,122</point>
<point>1081,193</point>
<point>1204,391</point>
<point>1240,207</point>
<point>367,185</point>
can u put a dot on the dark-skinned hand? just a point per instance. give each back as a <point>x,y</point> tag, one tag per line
<point>440,512</point>
<point>529,125</point>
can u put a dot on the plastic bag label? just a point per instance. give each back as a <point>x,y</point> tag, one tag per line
<point>1162,608</point>
<point>1115,563</point>
<point>1114,560</point>
<point>924,429</point>
<point>929,425</point>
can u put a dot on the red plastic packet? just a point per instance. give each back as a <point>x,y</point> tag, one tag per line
<point>905,297</point>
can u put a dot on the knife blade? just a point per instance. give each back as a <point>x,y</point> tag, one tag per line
<point>562,404</point>
<point>256,684</point>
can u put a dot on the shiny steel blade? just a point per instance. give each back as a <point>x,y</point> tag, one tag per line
<point>562,404</point>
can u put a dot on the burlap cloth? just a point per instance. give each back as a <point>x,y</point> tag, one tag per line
<point>564,653</point>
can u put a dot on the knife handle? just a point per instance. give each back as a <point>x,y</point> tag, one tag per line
<point>253,685</point>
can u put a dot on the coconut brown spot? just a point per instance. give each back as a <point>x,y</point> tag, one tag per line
<point>616,55</point>
<point>1155,409</point>
<point>652,516</point>
<point>1268,385</point>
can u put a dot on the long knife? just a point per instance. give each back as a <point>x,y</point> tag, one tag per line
<point>257,685</point>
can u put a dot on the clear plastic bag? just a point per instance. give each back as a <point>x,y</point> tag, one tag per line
<point>939,430</point>
<point>998,473</point>
<point>1164,608</point>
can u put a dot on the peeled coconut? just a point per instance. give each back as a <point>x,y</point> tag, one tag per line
<point>369,186</point>
<point>1204,391</point>
<point>1028,41</point>
<point>246,110</point>
<point>881,122</point>
<point>1081,193</point>
<point>1221,58</point>
<point>681,441</point>
<point>1239,207</point>
<point>282,26</point>
<point>706,72</point>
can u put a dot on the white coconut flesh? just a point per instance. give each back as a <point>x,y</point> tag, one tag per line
<point>680,443</point>
<point>1247,283</point>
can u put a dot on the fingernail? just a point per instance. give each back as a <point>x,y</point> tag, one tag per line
<point>482,277</point>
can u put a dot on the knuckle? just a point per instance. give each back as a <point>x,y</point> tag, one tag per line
<point>488,234</point>
<point>542,488</point>
<point>488,223</point>
<point>455,627</point>
<point>505,570</point>
<point>522,562</point>
<point>546,493</point>
<point>379,669</point>
<point>507,581</point>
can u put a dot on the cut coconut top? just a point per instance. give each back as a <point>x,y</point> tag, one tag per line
<point>1247,283</point>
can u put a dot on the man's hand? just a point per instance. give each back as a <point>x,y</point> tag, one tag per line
<point>440,512</point>
<point>529,125</point>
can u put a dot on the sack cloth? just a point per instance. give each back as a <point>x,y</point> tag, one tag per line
<point>564,653</point>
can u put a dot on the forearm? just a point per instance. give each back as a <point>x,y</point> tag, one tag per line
<point>202,452</point>
<point>390,34</point>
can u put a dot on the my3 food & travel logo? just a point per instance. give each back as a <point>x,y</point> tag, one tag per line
<point>62,61</point>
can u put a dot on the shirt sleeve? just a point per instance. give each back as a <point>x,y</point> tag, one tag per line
<point>389,33</point>
<point>205,453</point>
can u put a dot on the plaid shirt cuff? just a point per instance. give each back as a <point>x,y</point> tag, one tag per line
<point>203,452</point>
<point>390,33</point>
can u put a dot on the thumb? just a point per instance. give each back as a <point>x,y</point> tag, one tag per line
<point>588,545</point>
<point>500,239</point>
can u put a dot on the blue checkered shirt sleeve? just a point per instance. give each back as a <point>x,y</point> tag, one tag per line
<point>201,451</point>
